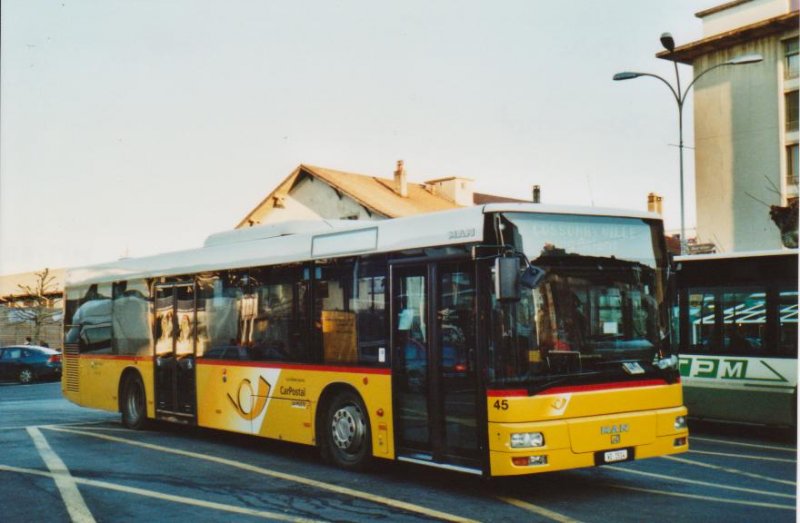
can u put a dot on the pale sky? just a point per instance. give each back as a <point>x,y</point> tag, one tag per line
<point>139,127</point>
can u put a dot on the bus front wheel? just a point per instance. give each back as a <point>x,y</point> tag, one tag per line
<point>347,440</point>
<point>134,405</point>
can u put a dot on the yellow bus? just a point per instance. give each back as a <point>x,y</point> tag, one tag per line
<point>503,339</point>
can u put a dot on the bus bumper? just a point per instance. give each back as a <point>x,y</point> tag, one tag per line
<point>589,441</point>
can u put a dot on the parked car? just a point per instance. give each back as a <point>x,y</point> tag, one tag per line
<point>28,363</point>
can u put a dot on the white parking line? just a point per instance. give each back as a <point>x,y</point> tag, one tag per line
<point>705,498</point>
<point>85,424</point>
<point>738,444</point>
<point>541,511</point>
<point>731,470</point>
<point>741,456</point>
<point>705,483</point>
<point>20,427</point>
<point>107,429</point>
<point>76,507</point>
<point>166,497</point>
<point>402,505</point>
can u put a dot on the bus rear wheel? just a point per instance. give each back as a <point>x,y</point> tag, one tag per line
<point>346,437</point>
<point>134,405</point>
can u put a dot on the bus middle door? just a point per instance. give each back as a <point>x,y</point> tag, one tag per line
<point>435,376</point>
<point>175,320</point>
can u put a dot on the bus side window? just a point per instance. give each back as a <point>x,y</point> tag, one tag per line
<point>702,332</point>
<point>369,304</point>
<point>280,329</point>
<point>744,320</point>
<point>91,322</point>
<point>130,318</point>
<point>334,319</point>
<point>219,297</point>
<point>787,344</point>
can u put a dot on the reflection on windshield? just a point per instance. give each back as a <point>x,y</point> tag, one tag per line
<point>590,309</point>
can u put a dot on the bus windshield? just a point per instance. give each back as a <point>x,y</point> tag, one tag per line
<point>600,309</point>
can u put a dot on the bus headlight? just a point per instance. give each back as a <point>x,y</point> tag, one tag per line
<point>668,363</point>
<point>524,440</point>
<point>680,422</point>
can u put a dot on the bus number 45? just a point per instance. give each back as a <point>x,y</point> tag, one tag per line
<point>501,404</point>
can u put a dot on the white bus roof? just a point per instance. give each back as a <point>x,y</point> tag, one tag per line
<point>733,255</point>
<point>304,240</point>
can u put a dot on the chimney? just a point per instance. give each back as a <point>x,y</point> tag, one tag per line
<point>537,194</point>
<point>453,189</point>
<point>400,183</point>
<point>654,203</point>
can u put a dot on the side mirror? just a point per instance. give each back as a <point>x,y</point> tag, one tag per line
<point>506,279</point>
<point>532,277</point>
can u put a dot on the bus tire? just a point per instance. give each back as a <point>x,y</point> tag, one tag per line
<point>346,440</point>
<point>134,403</point>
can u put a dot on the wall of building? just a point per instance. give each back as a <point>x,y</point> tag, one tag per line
<point>457,190</point>
<point>14,332</point>
<point>313,199</point>
<point>13,328</point>
<point>738,147</point>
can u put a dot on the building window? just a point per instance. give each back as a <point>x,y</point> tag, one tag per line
<point>791,108</point>
<point>792,164</point>
<point>790,64</point>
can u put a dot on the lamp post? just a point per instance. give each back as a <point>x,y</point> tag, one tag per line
<point>680,97</point>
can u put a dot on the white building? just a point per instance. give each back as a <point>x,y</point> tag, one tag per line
<point>745,121</point>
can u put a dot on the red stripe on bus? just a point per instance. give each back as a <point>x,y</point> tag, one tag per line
<point>499,393</point>
<point>293,366</point>
<point>603,386</point>
<point>240,363</point>
<point>113,357</point>
<point>506,393</point>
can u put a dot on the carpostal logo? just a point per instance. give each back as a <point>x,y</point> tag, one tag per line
<point>291,391</point>
<point>243,402</point>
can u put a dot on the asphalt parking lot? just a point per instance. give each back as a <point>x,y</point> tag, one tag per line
<point>61,462</point>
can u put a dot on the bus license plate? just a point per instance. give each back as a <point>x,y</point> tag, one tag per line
<point>613,456</point>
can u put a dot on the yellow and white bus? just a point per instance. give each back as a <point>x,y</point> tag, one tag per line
<point>737,318</point>
<point>494,340</point>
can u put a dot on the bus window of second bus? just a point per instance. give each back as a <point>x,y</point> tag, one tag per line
<point>701,321</point>
<point>788,324</point>
<point>744,321</point>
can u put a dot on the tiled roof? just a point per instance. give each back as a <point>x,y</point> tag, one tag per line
<point>375,194</point>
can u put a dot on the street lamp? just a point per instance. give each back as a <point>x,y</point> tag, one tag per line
<point>680,97</point>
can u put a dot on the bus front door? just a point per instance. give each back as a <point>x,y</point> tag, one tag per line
<point>174,327</point>
<point>435,384</point>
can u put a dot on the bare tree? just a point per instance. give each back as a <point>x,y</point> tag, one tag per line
<point>786,220</point>
<point>36,307</point>
<point>784,217</point>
